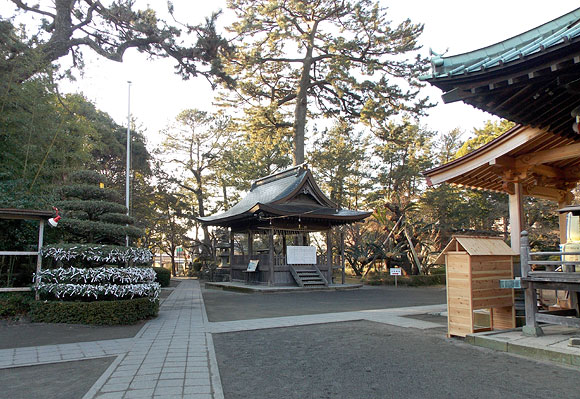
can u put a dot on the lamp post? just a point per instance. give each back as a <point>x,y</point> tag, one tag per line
<point>128,167</point>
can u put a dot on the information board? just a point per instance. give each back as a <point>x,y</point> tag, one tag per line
<point>395,271</point>
<point>301,255</point>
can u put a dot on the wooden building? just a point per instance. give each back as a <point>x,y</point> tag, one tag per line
<point>532,79</point>
<point>279,212</point>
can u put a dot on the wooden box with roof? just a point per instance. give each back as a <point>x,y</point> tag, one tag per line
<point>474,266</point>
<point>279,211</point>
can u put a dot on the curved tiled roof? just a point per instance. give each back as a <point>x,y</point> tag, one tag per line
<point>535,41</point>
<point>280,195</point>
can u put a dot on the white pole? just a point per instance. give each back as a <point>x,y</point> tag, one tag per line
<point>128,168</point>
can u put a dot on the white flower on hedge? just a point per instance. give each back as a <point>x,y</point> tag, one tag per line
<point>60,290</point>
<point>98,253</point>
<point>123,275</point>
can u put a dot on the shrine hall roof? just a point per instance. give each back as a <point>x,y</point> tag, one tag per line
<point>292,193</point>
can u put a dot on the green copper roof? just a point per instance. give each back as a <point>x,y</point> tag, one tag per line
<point>535,41</point>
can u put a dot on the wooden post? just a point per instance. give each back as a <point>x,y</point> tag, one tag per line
<point>329,254</point>
<point>231,254</point>
<point>342,262</point>
<point>39,257</point>
<point>271,256</point>
<point>516,211</point>
<point>250,243</point>
<point>531,328</point>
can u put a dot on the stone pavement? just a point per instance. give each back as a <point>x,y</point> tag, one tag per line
<point>552,346</point>
<point>173,355</point>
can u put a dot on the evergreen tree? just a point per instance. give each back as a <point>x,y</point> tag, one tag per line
<point>342,57</point>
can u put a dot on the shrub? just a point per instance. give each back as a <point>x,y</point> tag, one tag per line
<point>163,276</point>
<point>15,303</point>
<point>410,281</point>
<point>117,312</point>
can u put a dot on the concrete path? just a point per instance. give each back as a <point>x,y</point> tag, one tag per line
<point>173,355</point>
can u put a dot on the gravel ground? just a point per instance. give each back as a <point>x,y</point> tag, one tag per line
<point>370,360</point>
<point>70,380</point>
<point>226,306</point>
<point>21,335</point>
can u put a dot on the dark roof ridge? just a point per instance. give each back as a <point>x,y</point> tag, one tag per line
<point>279,175</point>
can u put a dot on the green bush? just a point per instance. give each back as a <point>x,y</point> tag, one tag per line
<point>163,276</point>
<point>118,312</point>
<point>410,281</point>
<point>15,303</point>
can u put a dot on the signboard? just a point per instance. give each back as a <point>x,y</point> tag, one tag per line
<point>396,271</point>
<point>301,255</point>
<point>253,265</point>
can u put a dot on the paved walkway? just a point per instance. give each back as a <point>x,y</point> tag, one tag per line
<point>173,355</point>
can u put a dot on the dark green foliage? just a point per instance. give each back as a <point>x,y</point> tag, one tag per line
<point>163,276</point>
<point>99,231</point>
<point>90,192</point>
<point>15,303</point>
<point>87,177</point>
<point>92,209</point>
<point>117,218</point>
<point>410,281</point>
<point>118,312</point>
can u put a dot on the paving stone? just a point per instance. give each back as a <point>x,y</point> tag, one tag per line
<point>197,389</point>
<point>168,391</point>
<point>143,384</point>
<point>139,394</point>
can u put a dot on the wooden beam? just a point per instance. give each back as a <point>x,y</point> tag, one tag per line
<point>552,194</point>
<point>551,155</point>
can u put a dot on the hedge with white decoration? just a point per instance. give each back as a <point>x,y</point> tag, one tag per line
<point>111,254</point>
<point>60,290</point>
<point>98,275</point>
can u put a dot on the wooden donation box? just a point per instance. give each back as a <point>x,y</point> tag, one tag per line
<point>474,266</point>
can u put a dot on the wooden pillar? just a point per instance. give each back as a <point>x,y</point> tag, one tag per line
<point>342,262</point>
<point>39,256</point>
<point>271,256</point>
<point>329,254</point>
<point>516,211</point>
<point>531,302</point>
<point>250,243</point>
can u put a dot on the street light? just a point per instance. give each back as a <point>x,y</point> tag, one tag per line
<point>128,167</point>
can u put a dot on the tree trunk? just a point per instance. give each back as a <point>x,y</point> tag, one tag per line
<point>302,101</point>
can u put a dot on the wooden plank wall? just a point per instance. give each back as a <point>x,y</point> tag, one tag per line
<point>472,284</point>
<point>459,310</point>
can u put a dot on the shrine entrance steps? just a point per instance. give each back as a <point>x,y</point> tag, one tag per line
<point>308,276</point>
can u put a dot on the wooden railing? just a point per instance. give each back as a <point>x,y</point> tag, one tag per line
<point>558,278</point>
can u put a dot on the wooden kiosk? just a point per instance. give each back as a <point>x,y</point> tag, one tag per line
<point>279,212</point>
<point>474,266</point>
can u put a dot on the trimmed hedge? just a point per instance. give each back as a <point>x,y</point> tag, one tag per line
<point>410,281</point>
<point>162,276</point>
<point>117,312</point>
<point>15,303</point>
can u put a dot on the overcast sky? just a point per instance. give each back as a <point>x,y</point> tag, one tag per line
<point>158,95</point>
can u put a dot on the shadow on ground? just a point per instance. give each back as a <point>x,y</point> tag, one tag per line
<point>227,306</point>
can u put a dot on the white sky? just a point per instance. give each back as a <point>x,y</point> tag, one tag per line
<point>158,95</point>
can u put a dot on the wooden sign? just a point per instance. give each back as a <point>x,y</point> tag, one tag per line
<point>253,265</point>
<point>301,255</point>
